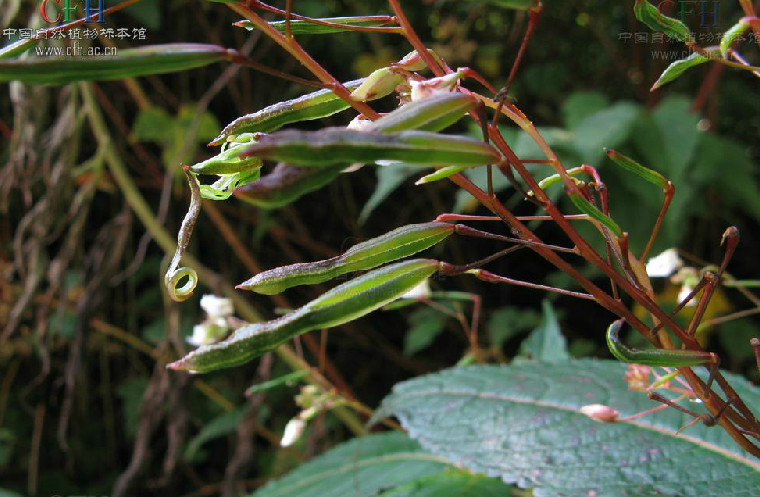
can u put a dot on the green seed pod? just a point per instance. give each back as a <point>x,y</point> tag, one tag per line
<point>430,114</point>
<point>227,162</point>
<point>316,105</point>
<point>730,36</point>
<point>397,244</point>
<point>330,146</point>
<point>336,25</point>
<point>286,184</point>
<point>588,208</point>
<point>378,84</point>
<point>130,63</point>
<point>342,304</point>
<point>631,165</point>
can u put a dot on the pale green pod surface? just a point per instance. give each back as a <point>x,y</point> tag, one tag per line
<point>286,184</point>
<point>631,165</point>
<point>340,145</point>
<point>377,85</point>
<point>338,24</point>
<point>591,210</point>
<point>315,105</point>
<point>440,174</point>
<point>342,304</point>
<point>397,244</point>
<point>227,162</point>
<point>429,114</point>
<point>131,62</point>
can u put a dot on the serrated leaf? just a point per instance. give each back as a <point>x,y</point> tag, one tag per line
<point>656,20</point>
<point>337,25</point>
<point>522,423</point>
<point>546,342</point>
<point>330,146</point>
<point>363,467</point>
<point>129,63</point>
<point>678,67</point>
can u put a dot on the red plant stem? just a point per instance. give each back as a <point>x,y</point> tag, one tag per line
<point>292,47</point>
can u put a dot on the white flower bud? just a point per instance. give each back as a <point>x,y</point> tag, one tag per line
<point>599,412</point>
<point>665,264</point>
<point>293,431</point>
<point>217,306</point>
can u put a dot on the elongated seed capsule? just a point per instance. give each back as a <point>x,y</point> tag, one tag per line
<point>315,105</point>
<point>336,25</point>
<point>131,62</point>
<point>397,244</point>
<point>227,162</point>
<point>654,357</point>
<point>730,35</point>
<point>340,145</point>
<point>342,304</point>
<point>430,114</point>
<point>286,184</point>
<point>588,208</point>
<point>631,165</point>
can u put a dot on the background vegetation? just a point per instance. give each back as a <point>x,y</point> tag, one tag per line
<point>85,408</point>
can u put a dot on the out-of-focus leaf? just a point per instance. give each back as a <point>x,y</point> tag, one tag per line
<point>7,441</point>
<point>286,379</point>
<point>607,128</point>
<point>508,4</point>
<point>330,146</point>
<point>546,342</point>
<point>224,187</point>
<point>507,322</point>
<point>523,423</point>
<point>131,391</point>
<point>425,324</point>
<point>129,63</point>
<point>302,27</point>
<point>224,424</point>
<point>382,465</point>
<point>388,179</point>
<point>580,105</point>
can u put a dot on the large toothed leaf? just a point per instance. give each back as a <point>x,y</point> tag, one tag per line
<point>656,20</point>
<point>678,67</point>
<point>333,25</point>
<point>522,423</point>
<point>131,62</point>
<point>340,145</point>
<point>381,465</point>
<point>397,244</point>
<point>315,105</point>
<point>342,304</point>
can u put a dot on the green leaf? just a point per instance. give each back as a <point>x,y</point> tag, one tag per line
<point>285,184</point>
<point>546,342</point>
<point>227,184</point>
<point>7,443</point>
<point>220,426</point>
<point>678,67</point>
<point>4,492</point>
<point>652,17</point>
<point>607,128</point>
<point>330,146</point>
<point>522,423</point>
<point>582,104</point>
<point>316,105</point>
<point>301,27</point>
<point>426,324</point>
<point>287,379</point>
<point>730,36</point>
<point>451,485</point>
<point>131,391</point>
<point>507,322</point>
<point>388,179</point>
<point>129,63</point>
<point>368,467</point>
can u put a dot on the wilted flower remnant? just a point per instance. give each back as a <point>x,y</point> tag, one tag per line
<point>216,326</point>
